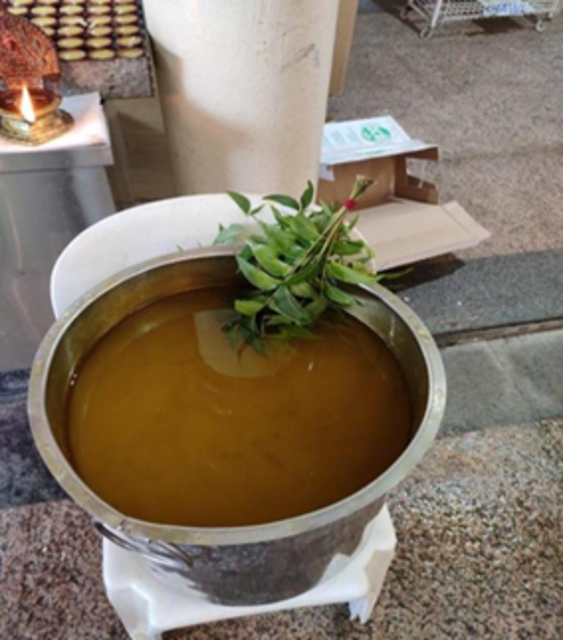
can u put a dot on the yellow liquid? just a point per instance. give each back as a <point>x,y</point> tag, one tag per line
<point>166,424</point>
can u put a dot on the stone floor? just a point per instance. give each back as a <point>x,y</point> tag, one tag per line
<point>488,93</point>
<point>479,523</point>
<point>479,527</point>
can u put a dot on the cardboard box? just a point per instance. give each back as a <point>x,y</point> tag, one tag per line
<point>400,216</point>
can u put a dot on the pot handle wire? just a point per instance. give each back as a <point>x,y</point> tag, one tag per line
<point>162,553</point>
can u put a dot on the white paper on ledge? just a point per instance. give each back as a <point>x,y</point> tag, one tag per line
<point>90,128</point>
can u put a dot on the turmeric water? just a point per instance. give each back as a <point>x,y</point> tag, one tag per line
<point>168,424</point>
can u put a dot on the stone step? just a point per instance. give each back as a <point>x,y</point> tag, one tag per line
<point>506,381</point>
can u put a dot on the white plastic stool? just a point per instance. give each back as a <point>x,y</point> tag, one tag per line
<point>138,234</point>
<point>146,606</point>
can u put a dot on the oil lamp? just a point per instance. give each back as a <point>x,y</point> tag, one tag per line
<point>29,72</point>
<point>32,116</point>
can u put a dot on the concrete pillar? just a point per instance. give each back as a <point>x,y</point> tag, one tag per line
<point>244,88</point>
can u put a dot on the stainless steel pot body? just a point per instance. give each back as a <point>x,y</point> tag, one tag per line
<point>242,565</point>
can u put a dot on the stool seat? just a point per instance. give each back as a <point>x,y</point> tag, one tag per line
<point>138,234</point>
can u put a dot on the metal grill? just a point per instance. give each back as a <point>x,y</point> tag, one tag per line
<point>436,12</point>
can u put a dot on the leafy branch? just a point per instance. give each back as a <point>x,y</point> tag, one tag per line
<point>297,267</point>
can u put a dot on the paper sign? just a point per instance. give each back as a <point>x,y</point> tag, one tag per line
<point>354,140</point>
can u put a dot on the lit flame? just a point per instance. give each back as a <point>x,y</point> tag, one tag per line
<point>26,106</point>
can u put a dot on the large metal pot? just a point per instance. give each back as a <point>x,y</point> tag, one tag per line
<point>239,565</point>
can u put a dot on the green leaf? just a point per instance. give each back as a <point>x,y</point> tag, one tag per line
<point>369,253</point>
<point>256,210</point>
<point>321,220</point>
<point>338,296</point>
<point>307,196</point>
<point>228,235</point>
<point>394,275</point>
<point>277,320</point>
<point>258,345</point>
<point>307,273</point>
<point>283,241</point>
<point>248,329</point>
<point>292,226</point>
<point>285,201</point>
<point>327,209</point>
<point>347,274</point>
<point>251,336</point>
<point>268,259</point>
<point>281,219</point>
<point>226,317</point>
<point>255,276</point>
<point>280,334</point>
<point>295,254</point>
<point>284,262</point>
<point>286,304</point>
<point>304,290</point>
<point>304,231</point>
<point>352,223</point>
<point>232,332</point>
<point>246,253</point>
<point>254,323</point>
<point>250,307</point>
<point>348,247</point>
<point>231,324</point>
<point>305,228</point>
<point>292,331</point>
<point>241,201</point>
<point>317,307</point>
<point>362,266</point>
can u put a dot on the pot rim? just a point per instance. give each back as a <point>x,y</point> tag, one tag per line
<point>65,475</point>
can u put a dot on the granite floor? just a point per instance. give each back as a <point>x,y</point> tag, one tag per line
<point>479,527</point>
<point>487,93</point>
<point>479,523</point>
